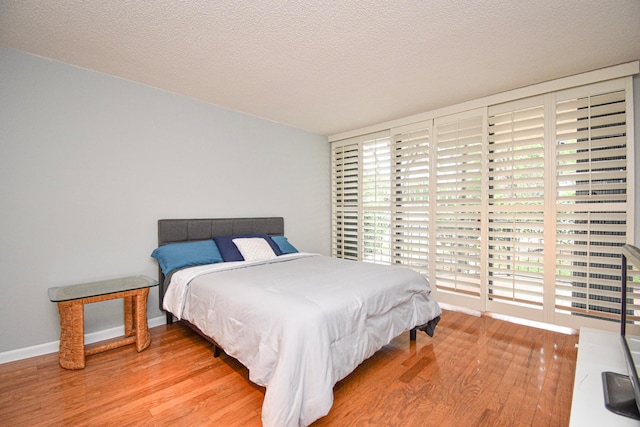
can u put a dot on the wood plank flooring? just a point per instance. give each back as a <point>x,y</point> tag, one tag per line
<point>474,372</point>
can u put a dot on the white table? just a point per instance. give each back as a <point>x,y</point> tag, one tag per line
<point>598,351</point>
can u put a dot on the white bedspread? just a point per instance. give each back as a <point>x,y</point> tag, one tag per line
<point>300,323</point>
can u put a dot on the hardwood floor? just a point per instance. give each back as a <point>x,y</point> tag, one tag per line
<point>474,372</point>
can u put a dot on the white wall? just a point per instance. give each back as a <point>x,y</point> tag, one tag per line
<point>90,162</point>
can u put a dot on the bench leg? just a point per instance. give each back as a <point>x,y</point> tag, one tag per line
<point>143,337</point>
<point>71,334</point>
<point>129,314</point>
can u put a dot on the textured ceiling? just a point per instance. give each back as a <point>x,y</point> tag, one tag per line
<point>329,66</point>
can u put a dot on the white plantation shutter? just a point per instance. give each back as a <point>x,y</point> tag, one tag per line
<point>633,290</point>
<point>376,199</point>
<point>410,195</point>
<point>516,186</point>
<point>519,208</point>
<point>345,194</point>
<point>591,180</point>
<point>458,203</point>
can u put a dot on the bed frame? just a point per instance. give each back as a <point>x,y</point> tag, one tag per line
<point>189,230</point>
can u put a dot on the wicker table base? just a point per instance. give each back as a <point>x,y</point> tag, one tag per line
<point>136,330</point>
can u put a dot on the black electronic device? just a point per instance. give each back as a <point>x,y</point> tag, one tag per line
<point>622,392</point>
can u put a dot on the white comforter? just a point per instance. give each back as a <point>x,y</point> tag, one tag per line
<point>300,323</point>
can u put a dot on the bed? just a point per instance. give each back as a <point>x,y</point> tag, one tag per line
<point>300,322</point>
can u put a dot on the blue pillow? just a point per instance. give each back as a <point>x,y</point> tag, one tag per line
<point>230,251</point>
<point>178,255</point>
<point>284,245</point>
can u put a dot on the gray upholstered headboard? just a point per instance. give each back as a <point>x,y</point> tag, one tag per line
<point>189,230</point>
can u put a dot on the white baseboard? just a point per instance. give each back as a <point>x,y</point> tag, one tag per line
<point>52,347</point>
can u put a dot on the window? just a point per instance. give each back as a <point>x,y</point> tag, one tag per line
<point>376,199</point>
<point>410,186</point>
<point>517,208</point>
<point>458,202</point>
<point>345,193</point>
<point>591,204</point>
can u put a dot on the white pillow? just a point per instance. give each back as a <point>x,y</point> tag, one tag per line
<point>254,248</point>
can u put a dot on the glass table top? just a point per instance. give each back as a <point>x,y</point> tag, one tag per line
<point>103,287</point>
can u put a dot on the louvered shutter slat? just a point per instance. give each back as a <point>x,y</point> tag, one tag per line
<point>516,203</point>
<point>410,208</point>
<point>345,194</point>
<point>458,172</point>
<point>591,222</point>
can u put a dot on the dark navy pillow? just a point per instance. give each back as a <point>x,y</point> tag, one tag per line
<point>229,250</point>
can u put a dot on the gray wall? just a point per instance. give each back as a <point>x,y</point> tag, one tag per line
<point>90,162</point>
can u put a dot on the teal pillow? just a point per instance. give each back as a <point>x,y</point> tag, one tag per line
<point>284,245</point>
<point>177,255</point>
